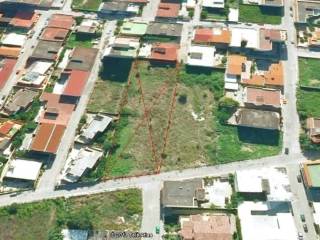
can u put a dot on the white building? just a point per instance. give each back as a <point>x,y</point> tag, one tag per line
<point>36,73</point>
<point>273,181</point>
<point>20,169</point>
<point>260,220</point>
<point>213,3</point>
<point>122,47</point>
<point>79,161</point>
<point>14,39</point>
<point>245,37</point>
<point>203,56</point>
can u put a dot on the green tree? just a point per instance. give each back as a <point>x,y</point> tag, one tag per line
<point>226,108</point>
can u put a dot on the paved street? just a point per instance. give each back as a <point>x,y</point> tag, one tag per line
<point>150,10</point>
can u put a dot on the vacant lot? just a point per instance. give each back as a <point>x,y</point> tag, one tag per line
<point>308,103</point>
<point>75,41</point>
<point>309,72</point>
<point>256,14</point>
<point>92,5</point>
<point>38,221</point>
<point>174,131</point>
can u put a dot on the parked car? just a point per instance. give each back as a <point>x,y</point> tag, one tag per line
<point>286,151</point>
<point>303,218</point>
<point>157,229</point>
<point>305,227</point>
<point>300,236</point>
<point>299,178</point>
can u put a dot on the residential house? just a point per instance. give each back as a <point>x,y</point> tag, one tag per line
<point>219,37</point>
<point>168,11</point>
<point>122,47</point>
<point>310,172</point>
<point>61,21</point>
<point>82,59</point>
<point>46,50</point>
<point>164,30</point>
<point>54,34</point>
<point>6,69</point>
<point>264,99</point>
<point>203,56</point>
<point>24,19</point>
<point>238,67</point>
<point>164,52</point>
<point>119,8</point>
<point>8,129</point>
<point>313,127</point>
<point>131,28</point>
<point>213,4</point>
<point>14,40</point>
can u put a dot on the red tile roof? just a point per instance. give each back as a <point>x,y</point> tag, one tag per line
<point>54,34</point>
<point>6,70</point>
<point>259,96</point>
<point>208,35</point>
<point>168,10</point>
<point>164,52</point>
<point>6,127</point>
<point>12,52</point>
<point>24,19</point>
<point>61,21</point>
<point>76,83</point>
<point>63,111</point>
<point>47,138</point>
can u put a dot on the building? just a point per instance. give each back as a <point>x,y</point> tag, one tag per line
<point>36,74</point>
<point>270,184</point>
<point>9,52</point>
<point>220,37</point>
<point>14,40</point>
<point>168,11</point>
<point>203,56</point>
<point>166,30</point>
<point>19,101</point>
<point>238,67</point>
<point>119,8</point>
<point>272,78</point>
<point>54,34</point>
<point>88,27</point>
<point>186,193</point>
<point>23,170</point>
<point>8,129</point>
<point>164,52</point>
<point>133,28</point>
<point>267,220</point>
<point>61,21</point>
<point>6,69</point>
<point>79,162</point>
<point>213,4</point>
<point>268,37</point>
<point>47,138</point>
<point>46,50</point>
<point>311,174</point>
<point>76,82</point>
<point>266,3</point>
<point>313,127</point>
<point>97,124</point>
<point>254,118</point>
<point>267,99</point>
<point>24,19</point>
<point>306,9</point>
<point>244,38</point>
<point>206,227</point>
<point>55,111</point>
<point>123,47</point>
<point>82,59</point>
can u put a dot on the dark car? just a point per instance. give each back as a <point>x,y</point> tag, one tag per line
<point>305,227</point>
<point>302,217</point>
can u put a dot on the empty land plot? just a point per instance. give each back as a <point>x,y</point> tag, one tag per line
<point>39,220</point>
<point>309,72</point>
<point>258,14</point>
<point>106,96</point>
<point>308,103</point>
<point>90,5</point>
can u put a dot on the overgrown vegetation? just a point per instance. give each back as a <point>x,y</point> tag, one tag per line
<point>29,124</point>
<point>75,40</point>
<point>47,218</point>
<point>89,5</point>
<point>259,14</point>
<point>309,72</point>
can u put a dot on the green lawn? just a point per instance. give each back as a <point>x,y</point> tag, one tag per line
<point>257,14</point>
<point>44,220</point>
<point>232,3</point>
<point>309,72</point>
<point>211,15</point>
<point>308,103</point>
<point>75,41</point>
<point>92,5</point>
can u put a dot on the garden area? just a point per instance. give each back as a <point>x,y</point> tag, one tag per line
<point>76,41</point>
<point>309,72</point>
<point>259,15</point>
<point>89,5</point>
<point>45,219</point>
<point>194,135</point>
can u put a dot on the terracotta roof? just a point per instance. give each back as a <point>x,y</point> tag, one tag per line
<point>61,21</point>
<point>76,83</point>
<point>12,52</point>
<point>235,64</point>
<point>6,127</point>
<point>56,112</point>
<point>208,35</point>
<point>164,52</point>
<point>259,96</point>
<point>168,10</point>
<point>199,227</point>
<point>6,70</point>
<point>82,59</point>
<point>24,19</point>
<point>268,36</point>
<point>47,138</point>
<point>54,34</point>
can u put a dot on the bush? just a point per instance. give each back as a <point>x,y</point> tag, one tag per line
<point>191,13</point>
<point>182,98</point>
<point>204,14</point>
<point>55,234</point>
<point>226,108</point>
